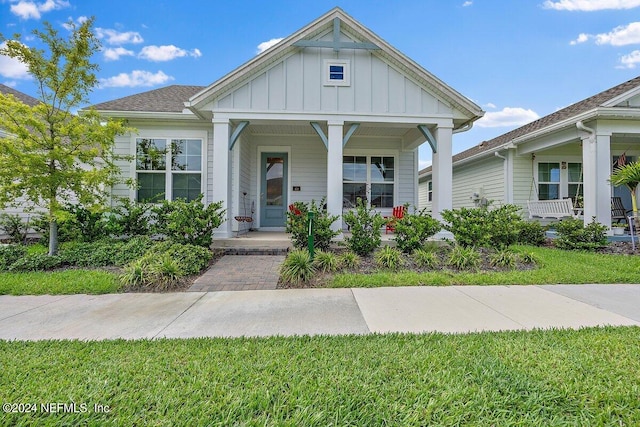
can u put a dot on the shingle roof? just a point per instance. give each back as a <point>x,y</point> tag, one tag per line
<point>29,100</point>
<point>168,99</point>
<point>549,120</point>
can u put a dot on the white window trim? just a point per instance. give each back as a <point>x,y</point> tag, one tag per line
<point>563,191</point>
<point>396,170</point>
<point>169,135</point>
<point>346,81</point>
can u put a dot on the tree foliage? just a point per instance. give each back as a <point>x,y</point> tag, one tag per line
<point>50,156</point>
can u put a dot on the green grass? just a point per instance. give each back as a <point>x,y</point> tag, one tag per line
<point>555,267</point>
<point>538,378</point>
<point>64,282</point>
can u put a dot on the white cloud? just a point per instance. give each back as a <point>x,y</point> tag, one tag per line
<point>507,117</point>
<point>117,38</point>
<point>467,3</point>
<point>113,54</point>
<point>69,24</point>
<point>136,78</point>
<point>590,5</point>
<point>423,164</point>
<point>490,105</point>
<point>166,53</point>
<point>26,9</point>
<point>11,68</point>
<point>619,36</point>
<point>266,45</point>
<point>11,83</point>
<point>630,60</point>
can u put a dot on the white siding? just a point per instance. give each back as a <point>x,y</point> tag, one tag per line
<point>423,195</point>
<point>296,83</point>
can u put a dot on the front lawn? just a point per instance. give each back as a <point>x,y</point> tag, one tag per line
<point>61,282</point>
<point>555,266</point>
<point>539,378</point>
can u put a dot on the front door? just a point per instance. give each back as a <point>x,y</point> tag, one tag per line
<point>273,189</point>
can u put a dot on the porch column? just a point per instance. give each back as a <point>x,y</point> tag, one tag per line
<point>334,172</point>
<point>220,173</point>
<point>442,172</point>
<point>596,159</point>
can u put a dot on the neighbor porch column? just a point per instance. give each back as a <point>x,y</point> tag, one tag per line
<point>334,172</point>
<point>442,172</point>
<point>596,164</point>
<point>220,173</point>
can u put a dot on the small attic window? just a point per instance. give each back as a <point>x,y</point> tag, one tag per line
<point>336,72</point>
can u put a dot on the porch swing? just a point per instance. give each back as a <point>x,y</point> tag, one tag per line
<point>554,208</point>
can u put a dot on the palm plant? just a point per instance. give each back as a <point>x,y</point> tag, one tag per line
<point>629,176</point>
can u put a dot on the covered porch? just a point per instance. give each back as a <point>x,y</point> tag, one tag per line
<point>261,165</point>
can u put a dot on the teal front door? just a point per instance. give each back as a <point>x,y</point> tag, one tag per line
<point>273,189</point>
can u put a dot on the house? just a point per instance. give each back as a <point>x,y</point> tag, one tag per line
<point>567,154</point>
<point>332,111</point>
<point>30,101</point>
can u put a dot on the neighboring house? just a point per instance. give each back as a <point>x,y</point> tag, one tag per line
<point>332,111</point>
<point>32,102</point>
<point>567,154</point>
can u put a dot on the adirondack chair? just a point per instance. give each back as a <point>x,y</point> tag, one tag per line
<point>397,213</point>
<point>618,211</point>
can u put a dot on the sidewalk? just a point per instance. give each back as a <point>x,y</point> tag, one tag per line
<point>454,309</point>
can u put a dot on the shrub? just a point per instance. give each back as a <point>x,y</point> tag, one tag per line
<point>87,224</point>
<point>425,258</point>
<point>413,230</point>
<point>297,267</point>
<point>531,233</point>
<point>495,228</point>
<point>504,259</point>
<point>349,260</point>
<point>389,258</point>
<point>91,254</point>
<point>129,218</point>
<point>35,262</point>
<point>135,273</point>
<point>165,271</point>
<point>464,258</point>
<point>365,225</point>
<point>9,254</point>
<point>188,222</point>
<point>326,262</point>
<point>13,227</point>
<point>298,227</point>
<point>132,249</point>
<point>574,235</point>
<point>190,258</point>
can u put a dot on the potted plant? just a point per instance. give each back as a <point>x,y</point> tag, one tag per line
<point>618,229</point>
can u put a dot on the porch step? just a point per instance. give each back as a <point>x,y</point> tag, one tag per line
<point>255,250</point>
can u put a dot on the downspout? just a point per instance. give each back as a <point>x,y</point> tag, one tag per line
<point>464,128</point>
<point>505,177</point>
<point>581,126</point>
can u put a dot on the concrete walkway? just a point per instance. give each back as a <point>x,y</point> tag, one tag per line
<point>453,309</point>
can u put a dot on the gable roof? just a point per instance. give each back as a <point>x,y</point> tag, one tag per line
<point>602,99</point>
<point>354,29</point>
<point>23,97</point>
<point>169,99</point>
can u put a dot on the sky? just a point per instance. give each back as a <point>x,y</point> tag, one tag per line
<point>518,60</point>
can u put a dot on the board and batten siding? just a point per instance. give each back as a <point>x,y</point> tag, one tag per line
<point>295,83</point>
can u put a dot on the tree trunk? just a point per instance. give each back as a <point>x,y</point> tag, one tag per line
<point>53,238</point>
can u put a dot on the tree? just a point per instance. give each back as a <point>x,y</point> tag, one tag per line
<point>49,155</point>
<point>629,176</point>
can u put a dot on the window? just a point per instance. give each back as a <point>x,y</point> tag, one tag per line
<point>337,72</point>
<point>559,180</point>
<point>430,191</point>
<point>548,181</point>
<point>168,169</point>
<point>370,178</point>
